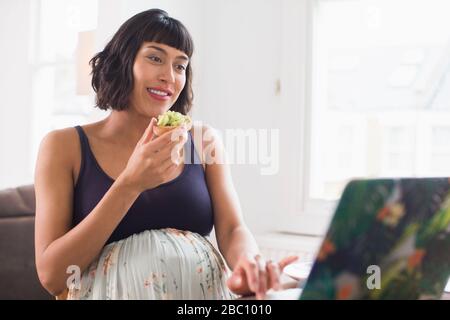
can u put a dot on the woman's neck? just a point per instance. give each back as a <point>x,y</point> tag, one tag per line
<point>125,126</point>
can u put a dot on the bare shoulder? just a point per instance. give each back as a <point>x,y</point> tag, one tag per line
<point>60,137</point>
<point>61,149</point>
<point>68,138</point>
<point>62,145</point>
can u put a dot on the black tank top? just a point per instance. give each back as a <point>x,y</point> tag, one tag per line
<point>183,203</point>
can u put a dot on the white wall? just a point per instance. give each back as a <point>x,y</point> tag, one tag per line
<point>15,90</point>
<point>238,75</point>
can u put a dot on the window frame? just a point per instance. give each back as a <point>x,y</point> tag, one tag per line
<point>304,216</point>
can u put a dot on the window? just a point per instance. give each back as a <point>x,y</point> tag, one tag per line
<point>63,31</point>
<point>379,97</point>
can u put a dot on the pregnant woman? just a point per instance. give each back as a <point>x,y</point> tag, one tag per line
<point>132,211</point>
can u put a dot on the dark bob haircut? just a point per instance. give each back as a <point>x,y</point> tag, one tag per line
<point>112,68</point>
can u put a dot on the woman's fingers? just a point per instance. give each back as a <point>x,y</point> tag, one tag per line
<point>250,267</point>
<point>237,283</point>
<point>262,277</point>
<point>170,151</point>
<point>259,275</point>
<point>169,137</point>
<point>285,261</point>
<point>148,133</point>
<point>273,271</point>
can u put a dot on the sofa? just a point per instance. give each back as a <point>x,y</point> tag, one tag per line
<point>18,276</point>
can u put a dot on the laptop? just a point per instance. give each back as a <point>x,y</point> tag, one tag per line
<point>388,239</point>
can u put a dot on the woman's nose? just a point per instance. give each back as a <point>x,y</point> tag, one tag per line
<point>167,74</point>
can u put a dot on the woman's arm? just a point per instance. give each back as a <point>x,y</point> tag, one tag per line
<point>57,247</point>
<point>251,274</point>
<point>233,236</point>
<point>235,241</point>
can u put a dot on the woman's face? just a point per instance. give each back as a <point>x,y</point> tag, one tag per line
<point>159,77</point>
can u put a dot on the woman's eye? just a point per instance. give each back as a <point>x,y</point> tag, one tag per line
<point>181,67</point>
<point>155,58</point>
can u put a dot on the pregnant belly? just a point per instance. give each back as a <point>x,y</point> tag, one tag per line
<point>156,264</point>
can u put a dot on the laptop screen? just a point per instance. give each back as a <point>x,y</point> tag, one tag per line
<point>388,239</point>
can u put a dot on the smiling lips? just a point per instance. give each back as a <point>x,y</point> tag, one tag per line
<point>159,94</point>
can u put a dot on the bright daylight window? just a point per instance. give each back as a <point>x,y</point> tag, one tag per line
<point>63,32</point>
<point>380,92</point>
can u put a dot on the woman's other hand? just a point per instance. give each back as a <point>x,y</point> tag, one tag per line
<point>154,159</point>
<point>254,275</point>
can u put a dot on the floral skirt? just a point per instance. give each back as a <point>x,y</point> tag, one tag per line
<point>155,264</point>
